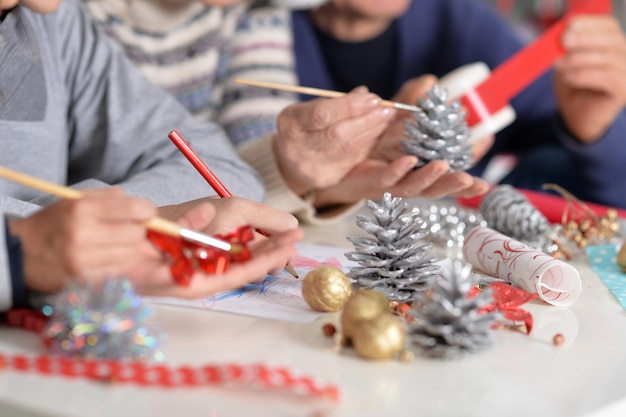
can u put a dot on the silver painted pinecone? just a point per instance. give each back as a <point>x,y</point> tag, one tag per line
<point>448,323</point>
<point>509,212</point>
<point>439,132</point>
<point>395,261</point>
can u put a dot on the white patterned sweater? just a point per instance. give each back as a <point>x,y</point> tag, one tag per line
<point>196,52</point>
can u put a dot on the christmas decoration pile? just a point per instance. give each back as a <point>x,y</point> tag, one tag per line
<point>438,131</point>
<point>448,322</point>
<point>509,212</point>
<point>106,321</point>
<point>395,261</point>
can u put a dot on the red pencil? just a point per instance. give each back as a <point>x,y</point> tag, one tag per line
<point>210,177</point>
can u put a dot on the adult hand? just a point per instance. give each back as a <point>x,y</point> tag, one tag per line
<point>214,215</point>
<point>154,278</point>
<point>103,235</point>
<point>98,235</point>
<point>222,215</point>
<point>389,169</point>
<point>372,178</point>
<point>590,81</point>
<point>320,141</point>
<point>390,146</point>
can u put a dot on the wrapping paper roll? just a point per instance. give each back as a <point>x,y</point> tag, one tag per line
<point>555,281</point>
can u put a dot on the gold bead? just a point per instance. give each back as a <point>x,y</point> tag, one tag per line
<point>611,214</point>
<point>382,337</point>
<point>558,339</point>
<point>326,288</point>
<point>585,225</point>
<point>363,305</point>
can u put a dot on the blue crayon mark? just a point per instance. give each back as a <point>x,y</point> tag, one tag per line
<point>257,288</point>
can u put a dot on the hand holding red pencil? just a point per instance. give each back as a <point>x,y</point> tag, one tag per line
<point>234,211</point>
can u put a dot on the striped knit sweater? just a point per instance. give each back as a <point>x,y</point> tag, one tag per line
<point>196,52</point>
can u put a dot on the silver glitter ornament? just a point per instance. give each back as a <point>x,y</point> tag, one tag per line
<point>447,322</point>
<point>106,321</point>
<point>395,261</point>
<point>448,225</point>
<point>439,132</point>
<point>509,212</point>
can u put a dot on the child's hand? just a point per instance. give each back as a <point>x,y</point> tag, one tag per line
<point>99,235</point>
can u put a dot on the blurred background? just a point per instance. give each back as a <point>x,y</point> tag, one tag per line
<point>531,17</point>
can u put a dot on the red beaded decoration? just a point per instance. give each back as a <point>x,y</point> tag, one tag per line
<point>187,257</point>
<point>27,319</point>
<point>256,376</point>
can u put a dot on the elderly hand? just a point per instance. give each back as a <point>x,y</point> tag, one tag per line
<point>590,80</point>
<point>389,169</point>
<point>320,141</point>
<point>372,178</point>
<point>102,234</point>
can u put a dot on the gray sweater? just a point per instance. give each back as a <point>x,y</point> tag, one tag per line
<point>74,111</point>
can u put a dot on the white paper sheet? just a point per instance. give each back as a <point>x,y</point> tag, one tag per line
<point>278,297</point>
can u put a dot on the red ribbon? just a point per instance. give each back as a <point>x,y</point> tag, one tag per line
<point>551,206</point>
<point>506,300</point>
<point>516,73</point>
<point>187,257</point>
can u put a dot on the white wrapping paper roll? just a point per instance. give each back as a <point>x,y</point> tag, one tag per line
<point>556,282</point>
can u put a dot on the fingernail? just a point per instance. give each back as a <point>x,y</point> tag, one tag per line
<point>386,112</point>
<point>370,101</point>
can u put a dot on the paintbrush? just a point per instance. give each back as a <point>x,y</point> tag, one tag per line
<point>318,92</point>
<point>158,224</point>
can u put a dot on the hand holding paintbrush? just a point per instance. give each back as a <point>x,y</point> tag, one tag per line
<point>94,234</point>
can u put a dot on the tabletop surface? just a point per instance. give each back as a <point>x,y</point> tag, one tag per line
<point>521,375</point>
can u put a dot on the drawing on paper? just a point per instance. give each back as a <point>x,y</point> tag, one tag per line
<point>277,296</point>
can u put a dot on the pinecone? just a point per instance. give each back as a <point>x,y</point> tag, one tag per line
<point>448,323</point>
<point>394,262</point>
<point>507,211</point>
<point>439,132</point>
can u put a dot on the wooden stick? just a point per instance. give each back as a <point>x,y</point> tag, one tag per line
<point>158,224</point>
<point>318,92</point>
<point>218,186</point>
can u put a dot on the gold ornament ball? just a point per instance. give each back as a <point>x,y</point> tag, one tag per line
<point>326,288</point>
<point>363,305</point>
<point>382,337</point>
<point>621,257</point>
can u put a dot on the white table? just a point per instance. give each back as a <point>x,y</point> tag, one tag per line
<point>519,376</point>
